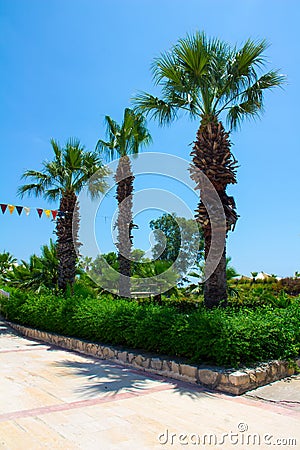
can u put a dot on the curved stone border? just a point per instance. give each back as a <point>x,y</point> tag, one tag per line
<point>231,381</point>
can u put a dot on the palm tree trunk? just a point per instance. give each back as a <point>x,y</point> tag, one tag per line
<point>67,240</point>
<point>124,178</point>
<point>215,287</point>
<point>212,157</point>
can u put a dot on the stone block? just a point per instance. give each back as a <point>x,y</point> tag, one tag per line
<point>273,369</point>
<point>260,375</point>
<point>209,377</point>
<point>138,360</point>
<point>224,378</point>
<point>166,366</point>
<point>175,368</point>
<point>122,356</point>
<point>229,388</point>
<point>239,378</point>
<point>188,371</point>
<point>156,363</point>
<point>130,357</point>
<point>108,353</point>
<point>94,349</point>
<point>100,351</point>
<point>146,363</point>
<point>282,369</point>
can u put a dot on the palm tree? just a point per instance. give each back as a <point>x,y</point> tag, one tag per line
<point>39,272</point>
<point>124,140</point>
<point>62,179</point>
<point>211,80</point>
<point>7,262</point>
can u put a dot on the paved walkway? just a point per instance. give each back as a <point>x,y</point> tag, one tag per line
<point>56,399</point>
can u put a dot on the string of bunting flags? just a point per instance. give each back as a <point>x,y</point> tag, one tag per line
<point>48,212</point>
<point>20,209</point>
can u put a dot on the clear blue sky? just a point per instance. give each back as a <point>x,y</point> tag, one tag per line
<point>67,63</point>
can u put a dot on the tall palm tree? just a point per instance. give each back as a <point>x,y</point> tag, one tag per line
<point>124,140</point>
<point>211,80</point>
<point>62,179</point>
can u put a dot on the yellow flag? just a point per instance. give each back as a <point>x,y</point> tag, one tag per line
<point>11,208</point>
<point>47,212</point>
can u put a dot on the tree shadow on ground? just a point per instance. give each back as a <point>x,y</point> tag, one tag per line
<point>104,377</point>
<point>4,329</point>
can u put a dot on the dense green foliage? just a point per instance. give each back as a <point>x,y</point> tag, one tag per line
<point>38,273</point>
<point>178,240</point>
<point>230,336</point>
<point>7,262</point>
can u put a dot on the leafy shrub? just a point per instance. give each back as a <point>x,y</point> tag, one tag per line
<point>230,336</point>
<point>289,285</point>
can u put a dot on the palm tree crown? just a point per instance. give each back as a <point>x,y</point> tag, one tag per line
<point>71,168</point>
<point>207,77</point>
<point>125,139</point>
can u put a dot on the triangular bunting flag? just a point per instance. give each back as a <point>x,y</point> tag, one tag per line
<point>54,213</point>
<point>11,208</point>
<point>19,209</point>
<point>27,210</point>
<point>40,212</point>
<point>3,207</point>
<point>47,212</point>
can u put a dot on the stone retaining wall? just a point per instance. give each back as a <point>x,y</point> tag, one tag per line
<point>232,381</point>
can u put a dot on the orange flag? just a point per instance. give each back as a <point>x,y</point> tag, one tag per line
<point>11,208</point>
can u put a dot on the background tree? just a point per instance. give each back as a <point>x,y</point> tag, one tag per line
<point>173,234</point>
<point>198,273</point>
<point>7,262</point>
<point>39,272</point>
<point>85,263</point>
<point>62,179</point>
<point>210,80</point>
<point>124,140</point>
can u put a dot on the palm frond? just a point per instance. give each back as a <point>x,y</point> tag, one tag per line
<point>35,189</point>
<point>156,108</point>
<point>127,138</point>
<point>250,55</point>
<point>106,149</point>
<point>34,174</point>
<point>69,171</point>
<point>192,56</point>
<point>165,67</point>
<point>52,194</point>
<point>56,148</point>
<point>245,110</point>
<point>270,80</point>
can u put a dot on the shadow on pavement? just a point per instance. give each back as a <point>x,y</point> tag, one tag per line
<point>105,377</point>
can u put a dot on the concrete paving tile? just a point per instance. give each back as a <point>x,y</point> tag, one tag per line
<point>17,438</point>
<point>42,433</point>
<point>85,403</point>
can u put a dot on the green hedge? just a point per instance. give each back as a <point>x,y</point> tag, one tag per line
<point>222,336</point>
